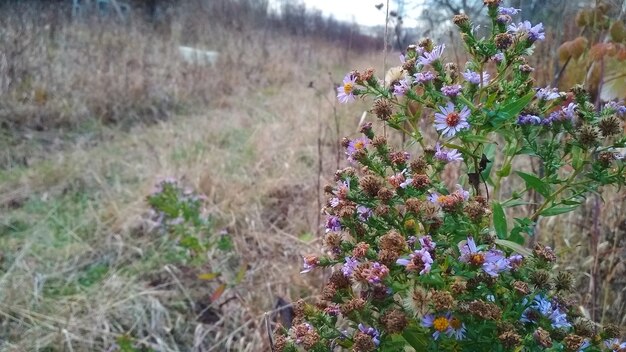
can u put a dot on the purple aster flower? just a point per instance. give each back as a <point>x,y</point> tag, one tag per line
<point>559,319</point>
<point>356,145</point>
<point>348,267</point>
<point>447,155</point>
<point>614,345</point>
<point>498,58</point>
<point>333,202</point>
<point>420,260</point>
<point>508,11</point>
<point>407,182</point>
<point>547,93</point>
<point>534,32</point>
<point>528,120</point>
<point>345,93</point>
<point>435,198</point>
<point>333,224</point>
<point>375,334</point>
<point>470,253</point>
<point>495,263</point>
<point>428,58</point>
<point>619,107</point>
<point>461,192</point>
<point>427,243</point>
<point>451,90</point>
<point>363,212</point>
<point>456,329</point>
<point>569,112</point>
<point>428,321</point>
<point>376,273</point>
<point>400,88</point>
<point>423,77</point>
<point>449,121</point>
<point>516,261</point>
<point>310,262</point>
<point>474,77</point>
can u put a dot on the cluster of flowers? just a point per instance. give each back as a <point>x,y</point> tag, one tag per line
<point>417,264</point>
<point>180,212</point>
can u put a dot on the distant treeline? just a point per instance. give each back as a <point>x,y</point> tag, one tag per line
<point>286,16</point>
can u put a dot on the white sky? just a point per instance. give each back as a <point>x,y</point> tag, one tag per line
<point>360,11</point>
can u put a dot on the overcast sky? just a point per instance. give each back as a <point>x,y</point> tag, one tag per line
<point>360,11</point>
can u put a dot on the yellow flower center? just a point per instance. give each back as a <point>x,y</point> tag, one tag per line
<point>358,145</point>
<point>441,324</point>
<point>477,258</point>
<point>347,88</point>
<point>455,323</point>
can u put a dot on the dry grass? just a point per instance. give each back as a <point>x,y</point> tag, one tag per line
<point>81,266</point>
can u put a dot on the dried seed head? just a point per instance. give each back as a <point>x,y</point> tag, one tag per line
<point>385,194</point>
<point>379,141</point>
<point>367,75</point>
<point>541,279</point>
<point>542,337</point>
<point>503,41</point>
<point>387,257</point>
<point>452,70</point>
<point>442,300</point>
<point>462,21</point>
<point>485,310</point>
<point>409,65</point>
<point>360,250</point>
<point>588,136</point>
<point>420,181</point>
<point>526,68</point>
<point>352,305</point>
<point>510,339</point>
<point>585,327</point>
<point>564,281</point>
<point>606,158</point>
<point>383,109</point>
<point>280,343</point>
<point>371,185</point>
<point>329,291</point>
<point>458,287</point>
<point>413,205</point>
<point>419,300</point>
<point>399,158</point>
<point>610,126</point>
<point>573,342</point>
<point>419,165</point>
<point>363,342</point>
<point>545,253</point>
<point>426,44</point>
<point>521,288</point>
<point>394,321</point>
<point>338,279</point>
<point>382,210</point>
<point>393,241</point>
<point>611,331</point>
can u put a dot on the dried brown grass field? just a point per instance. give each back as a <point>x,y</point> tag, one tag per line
<point>96,114</point>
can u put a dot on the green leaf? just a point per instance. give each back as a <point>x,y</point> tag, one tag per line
<point>475,138</point>
<point>515,246</point>
<point>514,203</point>
<point>416,340</point>
<point>577,157</point>
<point>557,210</point>
<point>535,183</point>
<point>499,220</point>
<point>512,109</point>
<point>505,171</point>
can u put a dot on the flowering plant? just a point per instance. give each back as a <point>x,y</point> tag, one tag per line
<point>418,264</point>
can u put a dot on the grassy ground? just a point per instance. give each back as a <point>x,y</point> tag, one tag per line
<point>82,267</point>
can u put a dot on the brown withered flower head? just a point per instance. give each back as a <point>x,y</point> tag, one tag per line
<point>510,339</point>
<point>419,165</point>
<point>442,300</point>
<point>503,41</point>
<point>394,321</point>
<point>370,185</point>
<point>545,253</point>
<point>360,250</point>
<point>352,305</point>
<point>485,310</point>
<point>610,126</point>
<point>382,109</point>
<point>393,241</point>
<point>542,337</point>
<point>573,342</point>
<point>363,342</point>
<point>588,136</point>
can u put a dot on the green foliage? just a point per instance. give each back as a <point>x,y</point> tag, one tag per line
<point>417,264</point>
